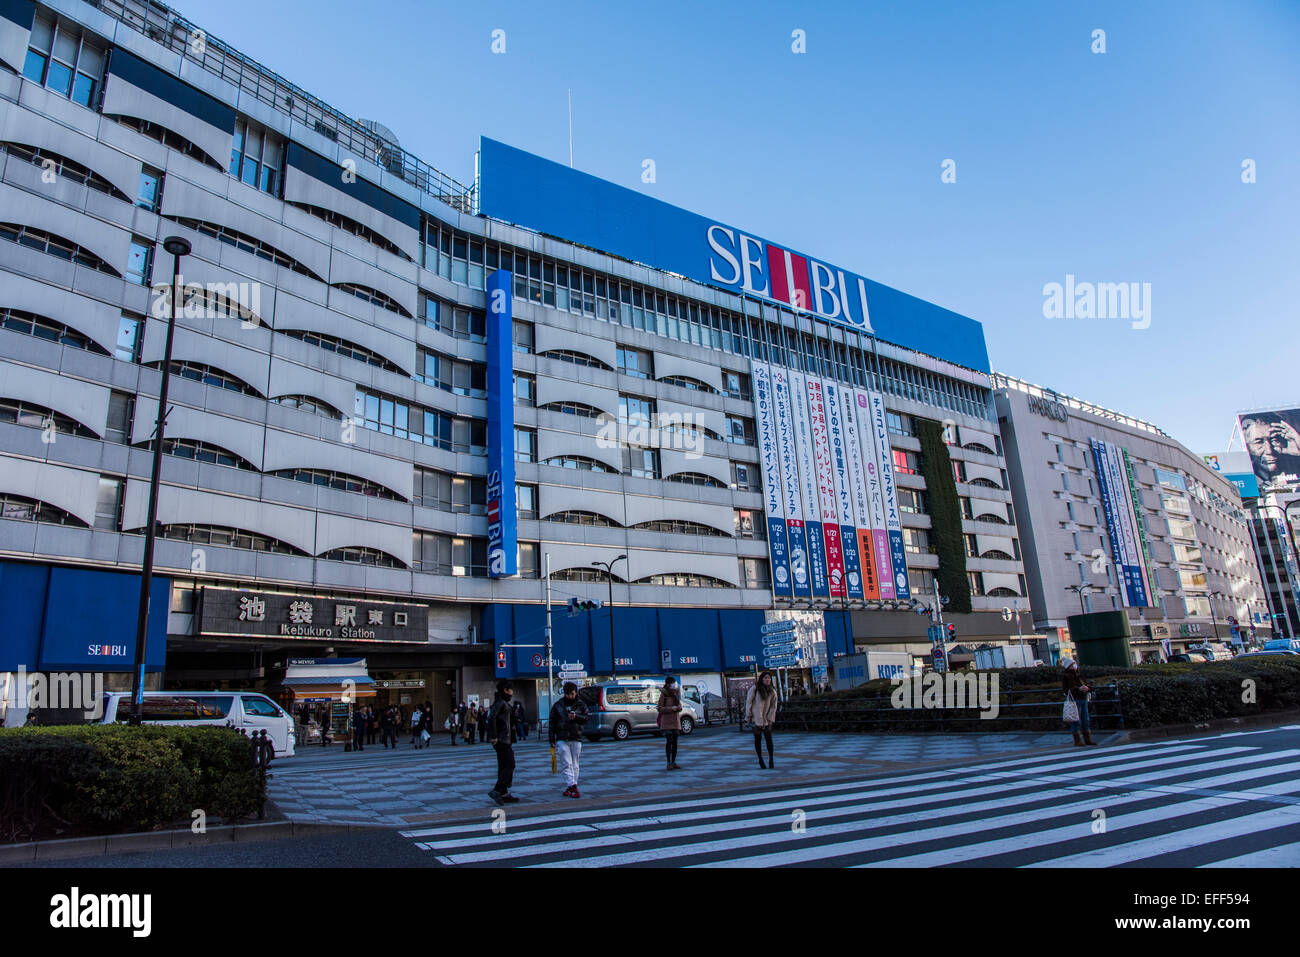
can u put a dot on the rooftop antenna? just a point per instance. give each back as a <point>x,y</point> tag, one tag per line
<point>570,129</point>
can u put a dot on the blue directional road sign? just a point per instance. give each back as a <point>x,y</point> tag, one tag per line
<point>935,633</point>
<point>774,627</point>
<point>776,651</point>
<point>780,638</point>
<point>780,662</point>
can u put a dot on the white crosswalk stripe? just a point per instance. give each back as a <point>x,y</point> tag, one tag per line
<point>1156,797</point>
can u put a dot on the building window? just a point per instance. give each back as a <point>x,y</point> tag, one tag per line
<point>139,261</point>
<point>754,573</point>
<point>580,462</point>
<point>203,452</point>
<point>61,60</point>
<point>149,194</point>
<point>360,555</point>
<point>905,462</point>
<point>340,481</point>
<point>108,503</point>
<point>750,524</point>
<point>745,478</point>
<point>636,362</point>
<point>912,501</point>
<point>736,385</point>
<point>641,463</point>
<point>695,478</point>
<point>916,540</point>
<point>20,509</point>
<point>118,429</point>
<point>49,243</point>
<point>525,390</point>
<point>526,501</point>
<point>42,327</point>
<point>898,424</point>
<point>528,559</point>
<point>740,430</point>
<point>635,411</point>
<point>257,157</point>
<point>39,417</point>
<point>522,333</point>
<point>525,445</point>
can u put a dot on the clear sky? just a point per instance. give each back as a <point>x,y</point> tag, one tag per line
<point>1122,166</point>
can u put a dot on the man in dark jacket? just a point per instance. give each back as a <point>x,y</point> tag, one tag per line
<point>568,717</point>
<point>497,728</point>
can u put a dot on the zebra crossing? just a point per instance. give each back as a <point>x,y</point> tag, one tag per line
<point>1233,800</point>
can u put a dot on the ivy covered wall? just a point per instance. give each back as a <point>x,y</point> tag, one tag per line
<point>945,516</point>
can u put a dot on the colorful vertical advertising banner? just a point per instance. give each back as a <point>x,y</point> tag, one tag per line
<point>837,432</point>
<point>770,462</point>
<point>502,516</point>
<point>858,489</point>
<point>1140,527</point>
<point>806,461</point>
<point>1121,501</point>
<point>893,523</point>
<point>875,496</point>
<point>796,533</point>
<point>824,469</point>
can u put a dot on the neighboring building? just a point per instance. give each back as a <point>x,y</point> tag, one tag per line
<point>340,420</point>
<point>1152,529</point>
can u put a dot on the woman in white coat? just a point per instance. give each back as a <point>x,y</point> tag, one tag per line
<point>760,711</point>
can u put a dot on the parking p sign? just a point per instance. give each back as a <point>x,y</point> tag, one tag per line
<point>666,659</point>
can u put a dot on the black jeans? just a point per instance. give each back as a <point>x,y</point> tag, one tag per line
<point>761,735</point>
<point>505,766</point>
<point>670,746</point>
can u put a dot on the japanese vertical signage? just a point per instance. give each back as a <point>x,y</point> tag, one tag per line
<point>875,495</point>
<point>773,502</point>
<point>806,461</point>
<point>825,473</point>
<point>844,495</point>
<point>832,506</point>
<point>1140,527</point>
<point>1121,522</point>
<point>800,577</point>
<point>502,545</point>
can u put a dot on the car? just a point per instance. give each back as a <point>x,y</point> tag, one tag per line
<point>247,710</point>
<point>620,709</point>
<point>1270,652</point>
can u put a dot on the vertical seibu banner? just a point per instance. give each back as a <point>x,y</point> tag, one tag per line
<point>770,462</point>
<point>875,496</point>
<point>853,443</point>
<point>893,525</point>
<point>502,541</point>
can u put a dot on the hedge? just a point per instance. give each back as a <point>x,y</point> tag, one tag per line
<point>1149,696</point>
<point>99,779</point>
<point>945,517</point>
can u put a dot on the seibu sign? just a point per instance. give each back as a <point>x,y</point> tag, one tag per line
<point>757,268</point>
<point>227,612</point>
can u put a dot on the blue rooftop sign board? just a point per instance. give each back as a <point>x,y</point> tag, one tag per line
<point>527,190</point>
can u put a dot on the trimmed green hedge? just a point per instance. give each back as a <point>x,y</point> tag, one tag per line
<point>97,779</point>
<point>1149,696</point>
<point>945,517</point>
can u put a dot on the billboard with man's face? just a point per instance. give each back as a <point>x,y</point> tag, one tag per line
<point>1273,442</point>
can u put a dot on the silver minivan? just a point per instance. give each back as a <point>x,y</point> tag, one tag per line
<point>623,708</point>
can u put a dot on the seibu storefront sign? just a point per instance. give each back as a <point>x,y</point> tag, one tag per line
<point>227,612</point>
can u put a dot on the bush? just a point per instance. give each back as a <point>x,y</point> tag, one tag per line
<point>1149,696</point>
<point>97,779</point>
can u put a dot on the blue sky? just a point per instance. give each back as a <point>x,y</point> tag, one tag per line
<point>1117,167</point>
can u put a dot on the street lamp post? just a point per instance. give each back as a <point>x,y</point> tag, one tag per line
<point>609,571</point>
<point>1080,590</point>
<point>178,247</point>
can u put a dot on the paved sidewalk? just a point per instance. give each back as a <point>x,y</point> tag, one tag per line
<point>405,787</point>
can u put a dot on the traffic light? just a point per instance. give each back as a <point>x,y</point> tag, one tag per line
<point>582,604</point>
<point>952,632</point>
<point>501,660</point>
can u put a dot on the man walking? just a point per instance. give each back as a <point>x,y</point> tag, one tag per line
<point>567,720</point>
<point>497,726</point>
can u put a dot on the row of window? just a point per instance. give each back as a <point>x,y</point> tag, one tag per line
<point>405,420</point>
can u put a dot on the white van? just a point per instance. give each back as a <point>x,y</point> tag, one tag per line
<point>247,710</point>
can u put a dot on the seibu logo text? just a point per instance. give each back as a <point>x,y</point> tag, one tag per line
<point>106,651</point>
<point>762,269</point>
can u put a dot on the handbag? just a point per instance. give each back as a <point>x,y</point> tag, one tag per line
<point>1070,713</point>
<point>424,735</point>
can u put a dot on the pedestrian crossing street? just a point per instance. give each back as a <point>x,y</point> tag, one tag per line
<point>1230,801</point>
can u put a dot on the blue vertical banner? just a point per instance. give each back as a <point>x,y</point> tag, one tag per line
<point>769,458</point>
<point>503,525</point>
<point>800,574</point>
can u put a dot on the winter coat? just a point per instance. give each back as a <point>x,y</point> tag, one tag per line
<point>564,729</point>
<point>670,709</point>
<point>498,720</point>
<point>1072,681</point>
<point>760,711</point>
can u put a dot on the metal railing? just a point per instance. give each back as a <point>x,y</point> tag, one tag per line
<point>1033,709</point>
<point>163,25</point>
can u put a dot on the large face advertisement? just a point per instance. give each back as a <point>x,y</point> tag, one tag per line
<point>1273,442</point>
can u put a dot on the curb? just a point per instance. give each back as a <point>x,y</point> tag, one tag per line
<point>1207,727</point>
<point>164,840</point>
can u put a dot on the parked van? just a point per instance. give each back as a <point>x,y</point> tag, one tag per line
<point>247,710</point>
<point>623,708</point>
